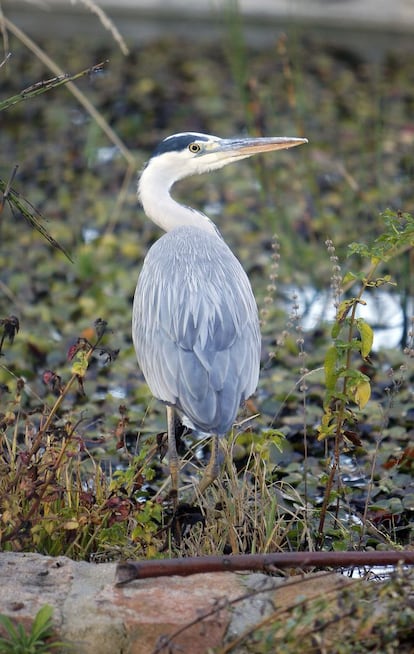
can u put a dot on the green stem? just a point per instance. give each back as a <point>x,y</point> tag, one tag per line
<point>341,407</point>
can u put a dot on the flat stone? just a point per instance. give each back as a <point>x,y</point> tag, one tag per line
<point>157,607</point>
<point>98,617</point>
<point>188,615</point>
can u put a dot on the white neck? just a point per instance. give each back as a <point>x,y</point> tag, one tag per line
<point>154,192</point>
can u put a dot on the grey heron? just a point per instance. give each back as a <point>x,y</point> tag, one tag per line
<point>195,322</point>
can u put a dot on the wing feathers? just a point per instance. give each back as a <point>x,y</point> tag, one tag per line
<point>195,327</point>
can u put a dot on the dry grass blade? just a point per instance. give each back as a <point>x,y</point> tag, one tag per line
<point>6,58</point>
<point>4,37</point>
<point>107,24</point>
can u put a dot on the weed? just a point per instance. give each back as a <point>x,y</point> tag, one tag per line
<point>55,497</point>
<point>346,385</point>
<point>39,640</point>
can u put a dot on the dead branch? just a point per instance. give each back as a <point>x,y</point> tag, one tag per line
<point>130,570</point>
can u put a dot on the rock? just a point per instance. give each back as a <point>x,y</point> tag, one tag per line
<point>98,617</point>
<point>95,615</point>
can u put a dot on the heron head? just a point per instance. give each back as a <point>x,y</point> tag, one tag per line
<point>191,153</point>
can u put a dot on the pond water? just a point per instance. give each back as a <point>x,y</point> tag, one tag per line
<point>383,312</point>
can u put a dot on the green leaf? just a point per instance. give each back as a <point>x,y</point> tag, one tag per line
<point>340,546</point>
<point>361,249</point>
<point>367,337</point>
<point>328,425</point>
<point>362,393</point>
<point>336,328</point>
<point>350,277</point>
<point>344,308</point>
<point>42,623</point>
<point>80,364</point>
<point>275,436</point>
<point>9,627</point>
<point>331,358</point>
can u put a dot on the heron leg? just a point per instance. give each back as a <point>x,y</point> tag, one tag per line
<point>212,470</point>
<point>172,456</point>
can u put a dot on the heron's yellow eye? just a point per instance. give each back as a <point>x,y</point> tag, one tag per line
<point>194,147</point>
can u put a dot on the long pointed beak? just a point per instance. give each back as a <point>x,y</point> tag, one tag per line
<point>249,146</point>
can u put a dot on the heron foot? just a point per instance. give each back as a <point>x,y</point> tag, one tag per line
<point>212,469</point>
<point>173,457</point>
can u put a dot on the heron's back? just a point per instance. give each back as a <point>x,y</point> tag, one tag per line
<point>196,328</point>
